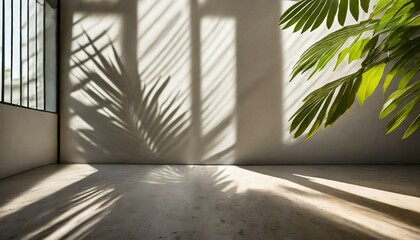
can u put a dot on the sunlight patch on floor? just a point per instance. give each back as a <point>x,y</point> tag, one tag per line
<point>88,210</point>
<point>59,179</point>
<point>375,223</point>
<point>78,201</point>
<point>390,198</point>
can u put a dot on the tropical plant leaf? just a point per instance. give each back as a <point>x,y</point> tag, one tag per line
<point>321,116</point>
<point>320,53</point>
<point>371,44</point>
<point>343,54</point>
<point>331,14</point>
<point>390,37</point>
<point>354,9</point>
<point>397,97</point>
<point>321,8</point>
<point>397,12</point>
<point>342,11</point>
<point>321,107</point>
<point>355,51</point>
<point>370,80</point>
<point>409,75</point>
<point>344,100</point>
<point>401,115</point>
<point>414,22</point>
<point>407,61</point>
<point>310,14</point>
<point>322,15</point>
<point>412,128</point>
<point>307,19</point>
<point>365,5</point>
<point>392,74</point>
<point>380,7</point>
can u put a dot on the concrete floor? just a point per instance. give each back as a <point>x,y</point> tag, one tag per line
<point>211,202</point>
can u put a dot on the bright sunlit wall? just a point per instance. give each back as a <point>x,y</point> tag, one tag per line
<point>229,65</point>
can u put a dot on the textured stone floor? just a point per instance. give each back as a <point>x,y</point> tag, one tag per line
<point>211,202</point>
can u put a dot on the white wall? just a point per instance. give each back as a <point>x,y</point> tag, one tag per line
<point>28,139</point>
<point>229,64</point>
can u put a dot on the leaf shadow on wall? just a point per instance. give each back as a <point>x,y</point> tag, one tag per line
<point>126,113</point>
<point>220,92</point>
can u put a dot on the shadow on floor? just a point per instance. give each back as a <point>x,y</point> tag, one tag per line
<point>212,202</point>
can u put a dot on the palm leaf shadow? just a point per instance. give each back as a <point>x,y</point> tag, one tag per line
<point>128,117</point>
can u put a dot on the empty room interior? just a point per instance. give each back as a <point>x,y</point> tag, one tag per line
<point>209,119</point>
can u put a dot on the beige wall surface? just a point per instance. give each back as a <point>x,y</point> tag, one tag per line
<point>28,139</point>
<point>228,99</point>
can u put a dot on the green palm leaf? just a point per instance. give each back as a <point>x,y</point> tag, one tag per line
<point>323,51</point>
<point>396,100</point>
<point>390,37</point>
<point>401,115</point>
<point>354,51</point>
<point>406,58</point>
<point>370,80</point>
<point>326,104</point>
<point>309,14</point>
<point>413,127</point>
<point>398,97</point>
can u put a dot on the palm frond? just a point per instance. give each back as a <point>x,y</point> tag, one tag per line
<point>401,115</point>
<point>413,127</point>
<point>323,51</point>
<point>326,104</point>
<point>399,98</point>
<point>370,80</point>
<point>310,14</point>
<point>354,52</point>
<point>390,37</point>
<point>391,11</point>
<point>405,56</point>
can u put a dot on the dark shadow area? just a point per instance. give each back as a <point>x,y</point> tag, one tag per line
<point>171,202</point>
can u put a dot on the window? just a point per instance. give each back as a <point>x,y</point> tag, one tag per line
<point>28,53</point>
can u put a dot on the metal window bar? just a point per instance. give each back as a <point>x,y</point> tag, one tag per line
<point>12,19</point>
<point>44,52</point>
<point>3,50</point>
<point>20,45</point>
<point>27,54</point>
<point>36,55</point>
<point>11,53</point>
